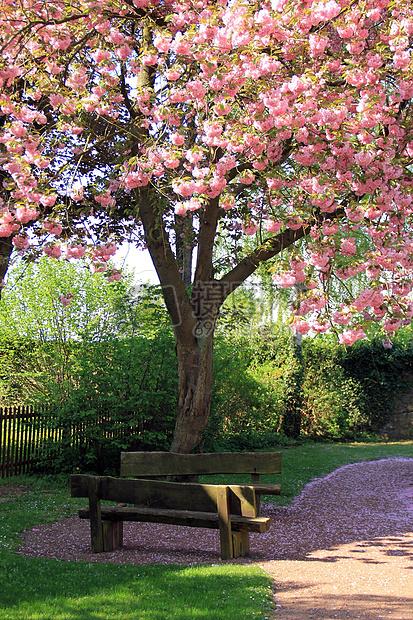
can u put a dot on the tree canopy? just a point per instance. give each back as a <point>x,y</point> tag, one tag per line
<point>175,124</point>
<point>287,118</point>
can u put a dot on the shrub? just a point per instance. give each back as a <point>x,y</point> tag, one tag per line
<point>333,404</point>
<point>252,383</point>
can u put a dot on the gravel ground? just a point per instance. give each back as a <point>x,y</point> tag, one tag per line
<point>343,549</point>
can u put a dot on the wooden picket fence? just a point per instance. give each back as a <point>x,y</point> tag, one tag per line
<point>25,432</point>
<point>28,434</point>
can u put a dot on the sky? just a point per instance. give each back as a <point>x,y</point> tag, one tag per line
<point>137,261</point>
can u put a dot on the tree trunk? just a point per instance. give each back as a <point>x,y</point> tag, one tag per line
<point>195,387</point>
<point>6,248</point>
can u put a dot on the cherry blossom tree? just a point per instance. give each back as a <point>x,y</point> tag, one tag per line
<point>181,123</point>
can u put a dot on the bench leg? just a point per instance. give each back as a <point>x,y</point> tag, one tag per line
<point>96,528</point>
<point>96,537</point>
<point>224,521</point>
<point>112,535</point>
<point>240,543</point>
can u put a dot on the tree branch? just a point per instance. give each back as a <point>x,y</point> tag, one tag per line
<point>125,94</point>
<point>269,249</point>
<point>207,231</point>
<point>157,241</point>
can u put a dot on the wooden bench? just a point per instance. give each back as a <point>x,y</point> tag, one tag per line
<point>231,509</point>
<point>168,464</point>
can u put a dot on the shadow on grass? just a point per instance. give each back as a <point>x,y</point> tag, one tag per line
<point>50,589</point>
<point>43,589</point>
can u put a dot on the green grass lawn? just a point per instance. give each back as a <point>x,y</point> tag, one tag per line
<point>303,463</point>
<point>310,460</point>
<point>40,589</point>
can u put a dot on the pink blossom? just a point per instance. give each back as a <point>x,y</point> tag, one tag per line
<point>180,209</point>
<point>348,247</point>
<point>247,178</point>
<point>301,327</point>
<point>48,200</point>
<point>148,59</point>
<point>392,325</point>
<point>317,45</point>
<point>104,252</point>
<point>295,223</point>
<point>53,250</point>
<point>115,276</point>
<point>54,228</point>
<point>20,242</point>
<point>342,318</point>
<point>401,59</point>
<point>105,200</point>
<point>56,99</point>
<point>216,185</point>
<point>273,226</point>
<point>324,11</point>
<point>184,189</point>
<point>172,75</point>
<point>18,130</point>
<point>180,46</point>
<point>278,5</point>
<point>77,193</point>
<point>162,43</point>
<point>8,228</point>
<point>285,136</point>
<point>177,139</point>
<point>250,228</point>
<point>136,179</point>
<point>351,336</point>
<point>101,55</point>
<point>75,251</point>
<point>227,202</point>
<point>171,161</point>
<point>26,214</point>
<point>65,300</point>
<point>275,183</point>
<point>285,280</point>
<point>194,204</point>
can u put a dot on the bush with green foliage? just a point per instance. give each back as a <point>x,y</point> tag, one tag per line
<point>333,401</point>
<point>339,393</point>
<point>106,366</point>
<point>104,363</point>
<point>253,378</point>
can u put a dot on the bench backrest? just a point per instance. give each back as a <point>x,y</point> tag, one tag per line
<point>161,494</point>
<point>175,464</point>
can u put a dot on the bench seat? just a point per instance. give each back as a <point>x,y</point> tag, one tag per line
<point>178,517</point>
<point>267,489</point>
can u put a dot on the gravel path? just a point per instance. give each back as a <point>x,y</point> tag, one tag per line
<point>343,549</point>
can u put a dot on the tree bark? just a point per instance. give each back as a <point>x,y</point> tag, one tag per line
<point>184,248</point>
<point>195,387</point>
<point>6,249</point>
